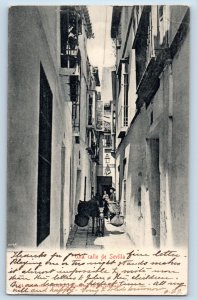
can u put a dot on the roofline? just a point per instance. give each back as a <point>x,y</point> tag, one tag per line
<point>85,12</point>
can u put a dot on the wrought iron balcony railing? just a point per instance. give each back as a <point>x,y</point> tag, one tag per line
<point>123,120</point>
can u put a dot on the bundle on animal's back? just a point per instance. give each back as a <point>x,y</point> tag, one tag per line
<point>86,209</point>
<point>83,208</point>
<point>82,218</point>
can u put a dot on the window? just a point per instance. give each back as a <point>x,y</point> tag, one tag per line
<point>124,165</point>
<point>77,140</point>
<point>98,95</point>
<point>151,118</point>
<point>76,116</point>
<point>70,27</point>
<point>44,159</point>
<point>139,196</point>
<point>125,115</point>
<point>107,141</point>
<point>74,88</point>
<point>74,97</point>
<point>122,114</point>
<point>90,111</point>
<point>119,78</point>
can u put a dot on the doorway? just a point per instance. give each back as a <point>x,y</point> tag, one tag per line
<point>78,189</point>
<point>63,154</point>
<point>44,159</point>
<point>104,183</point>
<point>154,190</point>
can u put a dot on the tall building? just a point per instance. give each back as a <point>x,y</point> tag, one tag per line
<point>52,139</point>
<point>106,167</point>
<point>151,92</point>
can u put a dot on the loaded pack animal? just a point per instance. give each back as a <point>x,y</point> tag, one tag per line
<point>87,209</point>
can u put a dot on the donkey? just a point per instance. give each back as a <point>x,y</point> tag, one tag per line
<point>89,209</point>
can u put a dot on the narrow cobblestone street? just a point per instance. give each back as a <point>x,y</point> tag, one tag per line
<point>114,237</point>
<point>97,149</point>
<point>96,113</point>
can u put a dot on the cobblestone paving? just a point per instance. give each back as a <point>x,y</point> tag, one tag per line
<point>114,237</point>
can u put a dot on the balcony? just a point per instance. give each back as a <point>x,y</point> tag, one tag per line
<point>150,56</point>
<point>149,82</point>
<point>70,67</point>
<point>70,28</point>
<point>92,150</point>
<point>122,121</point>
<point>70,62</point>
<point>69,59</point>
<point>91,110</point>
<point>92,143</point>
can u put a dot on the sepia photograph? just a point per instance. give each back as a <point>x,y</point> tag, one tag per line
<point>98,144</point>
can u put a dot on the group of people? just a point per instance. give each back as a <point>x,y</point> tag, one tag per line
<point>106,200</point>
<point>98,208</point>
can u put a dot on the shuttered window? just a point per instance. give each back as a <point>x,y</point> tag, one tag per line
<point>44,159</point>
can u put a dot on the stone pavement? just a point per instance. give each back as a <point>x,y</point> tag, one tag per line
<point>114,237</point>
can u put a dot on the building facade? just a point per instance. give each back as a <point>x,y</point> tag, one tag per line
<point>106,168</point>
<point>151,91</point>
<point>52,140</point>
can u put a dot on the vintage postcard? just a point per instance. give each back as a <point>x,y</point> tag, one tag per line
<point>98,134</point>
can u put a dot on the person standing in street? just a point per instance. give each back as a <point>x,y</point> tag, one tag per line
<point>112,195</point>
<point>105,204</point>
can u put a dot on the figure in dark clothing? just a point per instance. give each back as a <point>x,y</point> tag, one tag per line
<point>93,211</point>
<point>93,206</point>
<point>105,204</point>
<point>112,195</point>
<point>99,199</point>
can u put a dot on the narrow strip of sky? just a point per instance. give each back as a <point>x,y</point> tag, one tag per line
<point>100,50</point>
